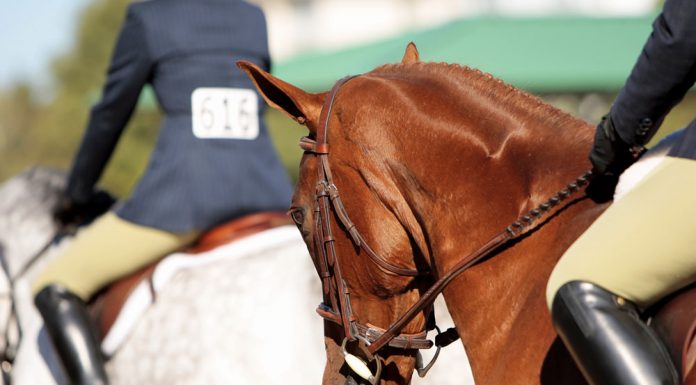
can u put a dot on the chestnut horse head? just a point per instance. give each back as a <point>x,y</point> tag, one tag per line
<point>407,170</point>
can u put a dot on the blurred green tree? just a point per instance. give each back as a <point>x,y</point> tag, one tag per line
<point>18,110</point>
<point>48,133</point>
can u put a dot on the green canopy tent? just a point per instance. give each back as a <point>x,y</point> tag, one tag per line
<point>568,54</point>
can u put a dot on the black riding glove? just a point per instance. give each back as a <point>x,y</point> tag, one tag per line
<point>610,156</point>
<point>69,212</point>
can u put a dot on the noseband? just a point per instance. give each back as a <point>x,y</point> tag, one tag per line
<point>337,306</point>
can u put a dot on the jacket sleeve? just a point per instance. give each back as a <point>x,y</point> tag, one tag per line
<point>664,72</point>
<point>128,72</point>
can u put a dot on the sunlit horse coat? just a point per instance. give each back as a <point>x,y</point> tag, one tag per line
<point>191,183</point>
<point>665,71</point>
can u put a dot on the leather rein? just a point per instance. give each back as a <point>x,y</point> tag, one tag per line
<point>335,289</point>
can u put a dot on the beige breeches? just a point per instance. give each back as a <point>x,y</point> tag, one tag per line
<point>644,246</point>
<point>106,250</point>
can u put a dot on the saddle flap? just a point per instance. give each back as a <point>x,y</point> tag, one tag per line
<point>675,323</point>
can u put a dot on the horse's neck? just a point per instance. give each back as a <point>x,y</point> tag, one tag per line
<point>499,305</point>
<point>500,310</point>
<point>476,179</point>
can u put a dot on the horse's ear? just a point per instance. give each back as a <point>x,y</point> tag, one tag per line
<point>411,55</point>
<point>299,105</point>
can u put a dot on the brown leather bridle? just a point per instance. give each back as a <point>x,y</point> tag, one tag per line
<point>337,306</point>
<point>337,292</point>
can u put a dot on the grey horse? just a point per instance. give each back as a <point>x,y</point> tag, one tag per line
<point>242,315</point>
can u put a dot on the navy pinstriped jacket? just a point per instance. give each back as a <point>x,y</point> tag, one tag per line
<point>194,180</point>
<point>664,72</point>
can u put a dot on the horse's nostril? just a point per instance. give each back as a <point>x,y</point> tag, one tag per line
<point>350,381</point>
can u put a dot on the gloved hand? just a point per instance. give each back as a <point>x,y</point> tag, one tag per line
<point>610,156</point>
<point>68,212</point>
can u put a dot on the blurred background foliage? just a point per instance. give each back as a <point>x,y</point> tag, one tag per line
<point>46,131</point>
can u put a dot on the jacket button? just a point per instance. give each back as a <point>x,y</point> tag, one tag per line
<point>644,127</point>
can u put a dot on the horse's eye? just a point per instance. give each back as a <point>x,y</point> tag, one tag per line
<point>297,214</point>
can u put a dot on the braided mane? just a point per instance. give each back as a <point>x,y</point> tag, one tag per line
<point>505,95</point>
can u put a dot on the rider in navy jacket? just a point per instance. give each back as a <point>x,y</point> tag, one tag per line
<point>664,72</point>
<point>641,248</point>
<point>190,183</point>
<point>213,160</point>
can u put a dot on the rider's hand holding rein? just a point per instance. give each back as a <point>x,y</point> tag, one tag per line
<point>70,211</point>
<point>610,156</point>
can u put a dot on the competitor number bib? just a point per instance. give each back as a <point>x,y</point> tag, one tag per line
<point>225,113</point>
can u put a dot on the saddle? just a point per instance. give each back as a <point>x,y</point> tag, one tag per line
<point>108,305</point>
<point>675,323</point>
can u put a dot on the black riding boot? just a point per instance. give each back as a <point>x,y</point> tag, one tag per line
<point>609,342</point>
<point>67,322</point>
